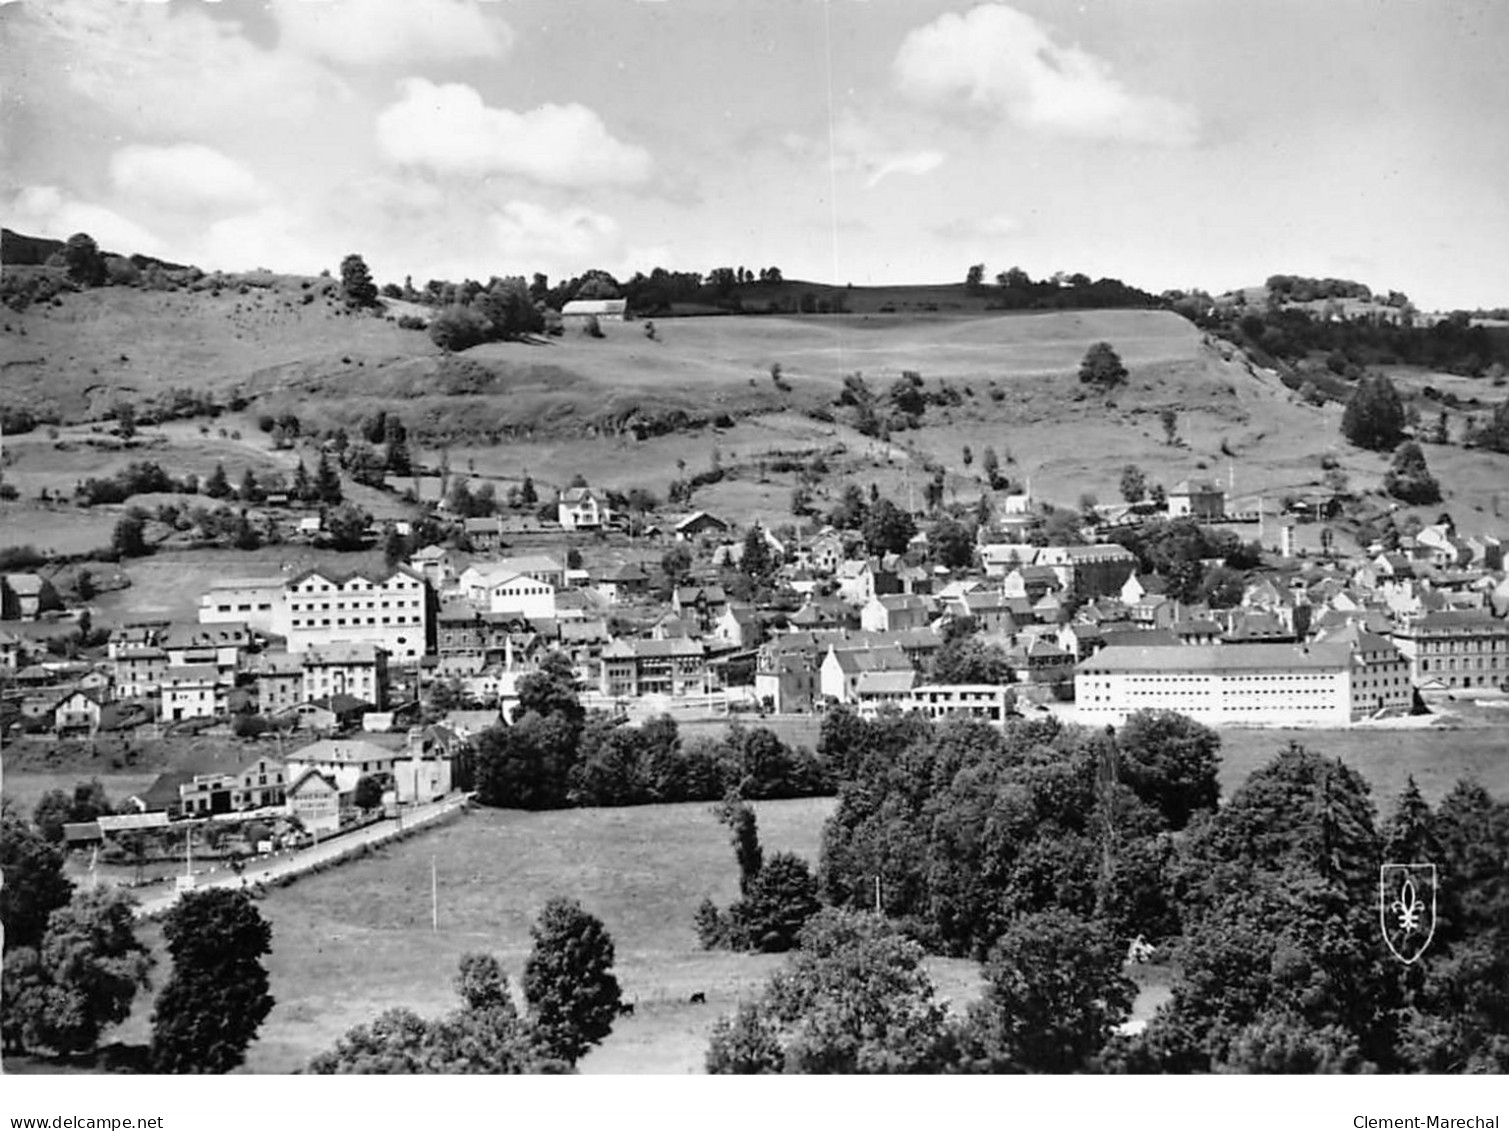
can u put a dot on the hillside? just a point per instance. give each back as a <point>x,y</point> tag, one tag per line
<point>556,407</point>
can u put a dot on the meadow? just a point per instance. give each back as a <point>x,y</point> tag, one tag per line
<point>554,408</point>
<point>358,939</point>
<point>1437,757</point>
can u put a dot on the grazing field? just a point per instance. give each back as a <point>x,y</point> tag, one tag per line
<point>1437,757</point>
<point>356,940</point>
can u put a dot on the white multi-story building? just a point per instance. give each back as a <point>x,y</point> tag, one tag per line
<point>390,610</point>
<point>581,508</point>
<point>346,668</point>
<point>1456,649</point>
<point>1221,684</point>
<point>192,692</point>
<point>257,602</point>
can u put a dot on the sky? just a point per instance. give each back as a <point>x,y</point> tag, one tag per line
<point>1168,143</point>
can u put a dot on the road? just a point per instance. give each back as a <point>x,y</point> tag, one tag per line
<point>305,859</point>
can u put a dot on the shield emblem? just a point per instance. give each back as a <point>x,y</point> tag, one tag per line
<point>1407,908</point>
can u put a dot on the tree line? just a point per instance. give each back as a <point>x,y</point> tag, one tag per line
<point>74,965</point>
<point>1042,850</point>
<point>554,755</point>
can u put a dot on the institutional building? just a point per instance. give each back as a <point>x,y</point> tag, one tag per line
<point>388,609</point>
<point>1456,649</point>
<point>257,602</point>
<point>1227,684</point>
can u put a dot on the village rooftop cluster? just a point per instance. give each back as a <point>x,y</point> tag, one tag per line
<point>382,676</point>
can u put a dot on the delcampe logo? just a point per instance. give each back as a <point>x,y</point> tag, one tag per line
<point>1407,908</point>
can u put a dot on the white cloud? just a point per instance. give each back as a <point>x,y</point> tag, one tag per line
<point>447,128</point>
<point>526,232</point>
<point>46,210</point>
<point>918,163</point>
<point>1004,61</point>
<point>275,237</point>
<point>857,147</point>
<point>173,70</point>
<point>364,32</point>
<point>184,176</point>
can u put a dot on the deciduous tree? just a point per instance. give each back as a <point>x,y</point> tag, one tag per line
<point>1374,416</point>
<point>88,969</point>
<point>1409,478</point>
<point>568,980</point>
<point>34,885</point>
<point>1054,994</point>
<point>1102,367</point>
<point>853,999</point>
<point>216,998</point>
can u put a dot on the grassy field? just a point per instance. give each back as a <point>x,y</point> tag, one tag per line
<point>356,940</point>
<point>553,408</point>
<point>1437,757</point>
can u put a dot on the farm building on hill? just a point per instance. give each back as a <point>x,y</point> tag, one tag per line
<point>603,309</point>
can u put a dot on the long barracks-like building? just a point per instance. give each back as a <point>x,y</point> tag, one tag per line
<point>1320,685</point>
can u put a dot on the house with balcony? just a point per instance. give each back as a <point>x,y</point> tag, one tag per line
<point>582,508</point>
<point>633,668</point>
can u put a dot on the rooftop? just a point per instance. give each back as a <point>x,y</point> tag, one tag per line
<point>1220,658</point>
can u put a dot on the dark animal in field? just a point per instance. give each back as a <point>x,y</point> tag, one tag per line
<point>699,998</point>
<point>626,1009</point>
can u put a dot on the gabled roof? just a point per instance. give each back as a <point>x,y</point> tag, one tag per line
<point>1141,638</point>
<point>163,792</point>
<point>578,495</point>
<point>343,577</point>
<point>898,602</point>
<point>308,777</point>
<point>25,584</point>
<point>884,682</point>
<point>192,673</point>
<point>341,652</point>
<point>854,660</point>
<point>624,572</point>
<point>343,704</point>
<point>1196,628</point>
<point>653,649</point>
<point>1220,658</point>
<point>699,518</point>
<point>342,752</point>
<point>690,594</point>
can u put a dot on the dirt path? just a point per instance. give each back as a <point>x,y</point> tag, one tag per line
<point>305,860</point>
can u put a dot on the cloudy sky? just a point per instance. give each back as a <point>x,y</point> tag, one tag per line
<point>1171,143</point>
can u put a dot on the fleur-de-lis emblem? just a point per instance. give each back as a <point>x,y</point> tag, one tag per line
<point>1407,908</point>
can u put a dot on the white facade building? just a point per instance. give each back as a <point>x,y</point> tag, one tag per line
<point>1220,684</point>
<point>257,602</point>
<point>389,610</point>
